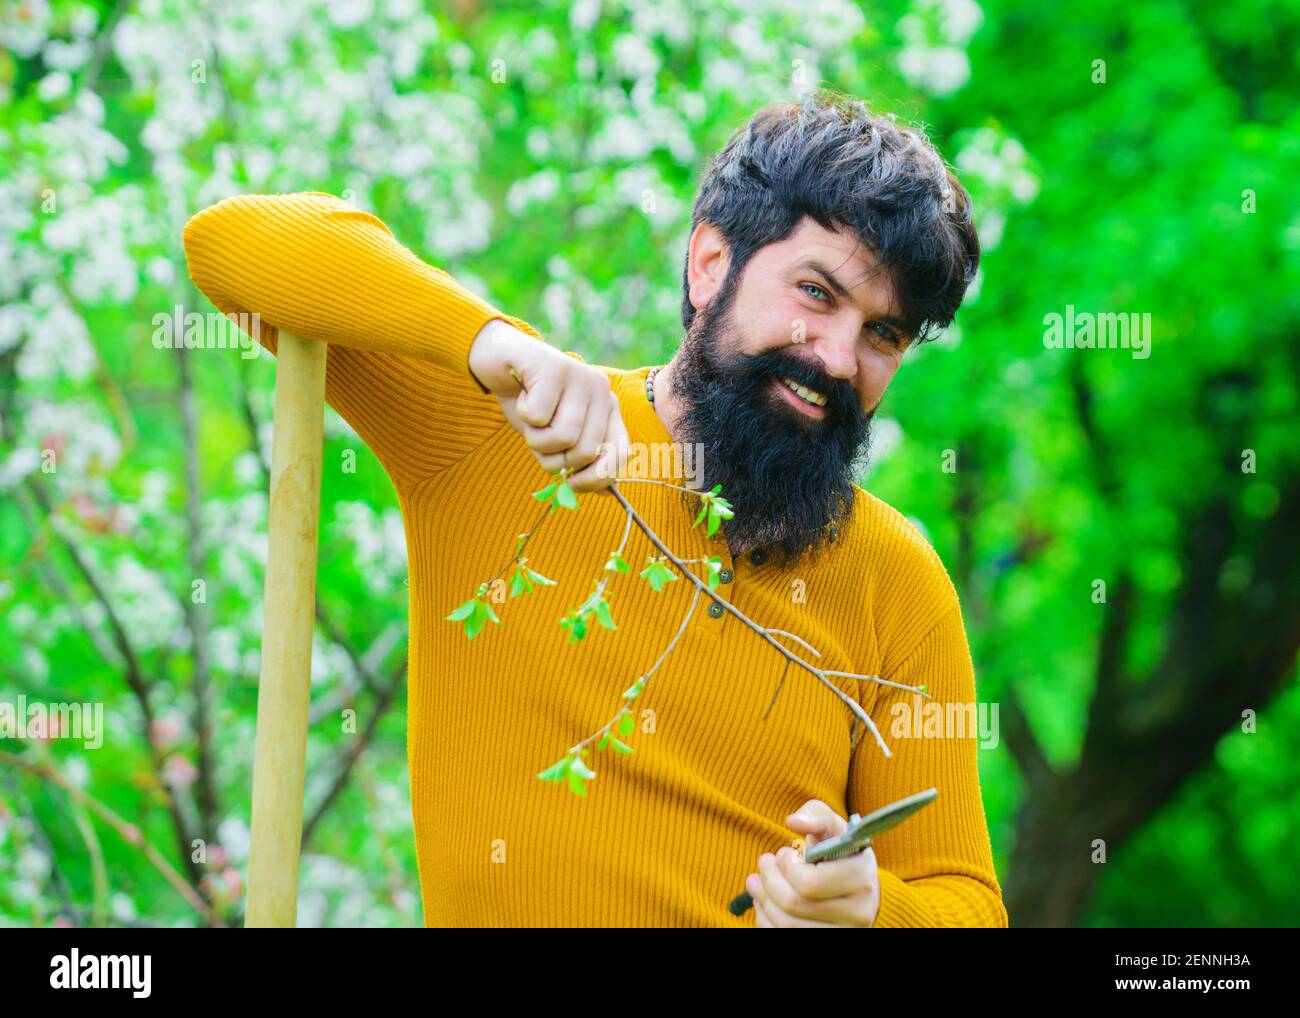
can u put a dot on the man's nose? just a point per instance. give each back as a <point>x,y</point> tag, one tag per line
<point>838,353</point>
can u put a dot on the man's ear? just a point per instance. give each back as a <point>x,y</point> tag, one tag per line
<point>706,264</point>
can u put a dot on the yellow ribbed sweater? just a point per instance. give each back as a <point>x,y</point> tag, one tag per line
<point>667,835</point>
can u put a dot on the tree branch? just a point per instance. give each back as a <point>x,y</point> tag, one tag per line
<point>208,800</point>
<point>128,831</point>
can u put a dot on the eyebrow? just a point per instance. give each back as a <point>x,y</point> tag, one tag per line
<point>813,265</point>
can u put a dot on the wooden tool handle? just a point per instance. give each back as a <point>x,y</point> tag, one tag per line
<point>289,614</point>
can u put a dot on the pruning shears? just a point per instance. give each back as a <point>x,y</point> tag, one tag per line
<point>856,839</point>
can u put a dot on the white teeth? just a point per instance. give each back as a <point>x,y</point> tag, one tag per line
<point>811,395</point>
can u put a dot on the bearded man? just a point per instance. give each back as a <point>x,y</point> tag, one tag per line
<point>825,242</point>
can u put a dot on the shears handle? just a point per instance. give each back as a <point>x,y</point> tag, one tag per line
<point>744,901</point>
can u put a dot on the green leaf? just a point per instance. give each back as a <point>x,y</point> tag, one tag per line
<point>557,771</point>
<point>603,616</point>
<point>616,563</point>
<point>577,786</point>
<point>463,611</point>
<point>547,493</point>
<point>713,565</point>
<point>626,725</point>
<point>579,774</point>
<point>622,747</point>
<point>700,517</point>
<point>537,577</point>
<point>566,496</point>
<point>474,623</point>
<point>719,510</point>
<point>516,583</point>
<point>634,690</point>
<point>604,739</point>
<point>576,625</point>
<point>657,573</point>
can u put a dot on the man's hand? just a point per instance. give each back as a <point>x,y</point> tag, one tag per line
<point>566,410</point>
<point>789,892</point>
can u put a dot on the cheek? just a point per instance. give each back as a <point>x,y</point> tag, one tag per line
<point>780,322</point>
<point>875,374</point>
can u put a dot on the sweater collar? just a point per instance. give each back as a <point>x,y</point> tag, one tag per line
<point>643,423</point>
<point>652,441</point>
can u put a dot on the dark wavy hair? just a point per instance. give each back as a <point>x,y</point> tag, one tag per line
<point>828,157</point>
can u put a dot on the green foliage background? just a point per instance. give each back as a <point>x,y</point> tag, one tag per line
<point>546,154</point>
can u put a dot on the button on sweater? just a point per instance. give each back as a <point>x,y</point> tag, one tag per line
<point>667,834</point>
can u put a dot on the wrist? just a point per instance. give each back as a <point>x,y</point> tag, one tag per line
<point>490,355</point>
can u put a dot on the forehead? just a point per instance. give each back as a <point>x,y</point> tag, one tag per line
<point>841,252</point>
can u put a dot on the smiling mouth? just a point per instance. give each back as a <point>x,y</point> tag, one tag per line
<point>809,401</point>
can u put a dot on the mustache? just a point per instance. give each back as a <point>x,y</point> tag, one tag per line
<point>754,370</point>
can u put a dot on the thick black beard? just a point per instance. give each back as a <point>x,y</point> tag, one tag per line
<point>789,477</point>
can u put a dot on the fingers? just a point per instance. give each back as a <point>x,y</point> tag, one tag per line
<point>561,434</point>
<point>582,389</point>
<point>792,893</point>
<point>536,406</point>
<point>818,820</point>
<point>836,878</point>
<point>781,905</point>
<point>588,446</point>
<point>611,458</point>
<point>780,919</point>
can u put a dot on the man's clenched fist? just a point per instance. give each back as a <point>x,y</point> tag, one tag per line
<point>566,410</point>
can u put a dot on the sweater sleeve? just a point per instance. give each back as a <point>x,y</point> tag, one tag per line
<point>399,330</point>
<point>936,867</point>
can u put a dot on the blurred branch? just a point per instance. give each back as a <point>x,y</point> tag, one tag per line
<point>377,711</point>
<point>1226,652</point>
<point>965,507</point>
<point>104,44</point>
<point>366,666</point>
<point>365,671</point>
<point>197,620</point>
<point>54,580</point>
<point>129,832</point>
<point>1119,605</point>
<point>227,106</point>
<point>39,835</point>
<point>1100,457</point>
<point>135,679</point>
<point>1029,755</point>
<point>113,394</point>
<point>1108,693</point>
<point>1033,762</point>
<point>82,917</point>
<point>98,869</point>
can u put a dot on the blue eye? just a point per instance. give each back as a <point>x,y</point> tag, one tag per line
<point>813,286</point>
<point>885,332</point>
